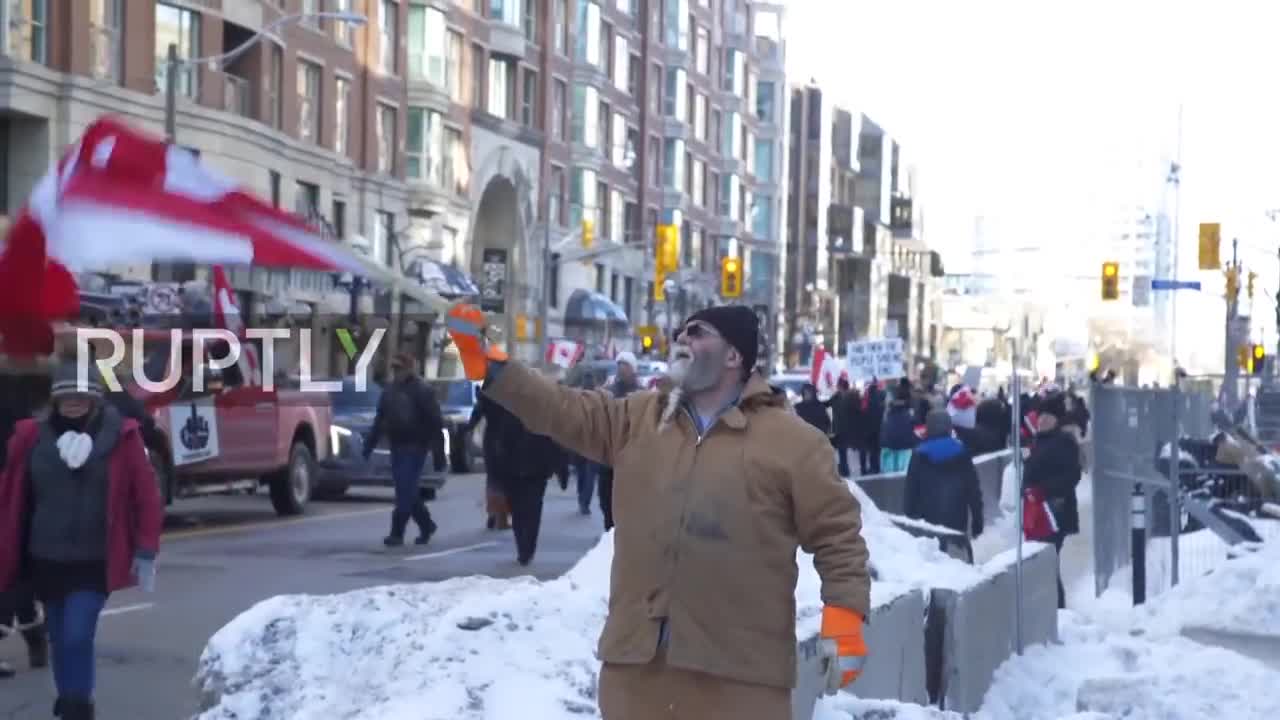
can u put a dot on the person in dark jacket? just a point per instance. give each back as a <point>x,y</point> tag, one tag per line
<point>898,434</point>
<point>409,417</point>
<point>991,419</point>
<point>21,395</point>
<point>942,483</point>
<point>812,410</point>
<point>846,412</point>
<point>1054,467</point>
<point>521,463</point>
<point>873,401</point>
<point>623,385</point>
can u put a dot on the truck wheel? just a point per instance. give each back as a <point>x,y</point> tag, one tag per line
<point>291,488</point>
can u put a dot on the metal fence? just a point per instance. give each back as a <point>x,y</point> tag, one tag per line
<point>1130,427</point>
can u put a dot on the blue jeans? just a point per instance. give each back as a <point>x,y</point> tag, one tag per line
<point>73,625</point>
<point>406,474</point>
<point>586,472</point>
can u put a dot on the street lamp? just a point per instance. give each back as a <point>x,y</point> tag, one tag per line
<point>173,64</point>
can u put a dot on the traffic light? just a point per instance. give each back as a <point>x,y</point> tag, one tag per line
<point>731,277</point>
<point>1252,276</point>
<point>1210,241</point>
<point>1242,357</point>
<point>588,234</point>
<point>1259,359</point>
<point>1233,283</point>
<point>1110,281</point>
<point>667,248</point>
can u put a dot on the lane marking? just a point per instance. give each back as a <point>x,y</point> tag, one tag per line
<point>268,524</point>
<point>453,551</point>
<point>127,609</point>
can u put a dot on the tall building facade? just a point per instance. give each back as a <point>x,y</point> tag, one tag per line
<point>857,265</point>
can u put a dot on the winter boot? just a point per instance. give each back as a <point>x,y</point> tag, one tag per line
<point>77,709</point>
<point>37,646</point>
<point>57,708</point>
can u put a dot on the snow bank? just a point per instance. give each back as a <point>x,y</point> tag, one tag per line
<point>397,652</point>
<point>1241,595</point>
<point>1118,675</point>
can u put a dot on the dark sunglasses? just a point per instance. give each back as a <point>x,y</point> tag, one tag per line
<point>696,330</point>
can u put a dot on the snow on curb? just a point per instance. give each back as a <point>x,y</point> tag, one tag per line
<point>396,651</point>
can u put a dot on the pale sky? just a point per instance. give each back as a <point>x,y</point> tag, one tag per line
<point>1046,117</point>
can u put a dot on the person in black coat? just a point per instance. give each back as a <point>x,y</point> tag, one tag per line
<point>21,395</point>
<point>812,410</point>
<point>942,483</point>
<point>846,416</point>
<point>869,458</point>
<point>1054,467</point>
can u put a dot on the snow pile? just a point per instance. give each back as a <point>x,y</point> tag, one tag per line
<point>1130,676</point>
<point>1242,595</point>
<point>397,652</point>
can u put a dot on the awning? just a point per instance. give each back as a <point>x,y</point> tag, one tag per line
<point>445,280</point>
<point>587,307</point>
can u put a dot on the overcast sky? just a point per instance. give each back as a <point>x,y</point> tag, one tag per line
<point>1046,118</point>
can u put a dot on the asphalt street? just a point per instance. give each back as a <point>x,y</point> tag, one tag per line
<point>221,555</point>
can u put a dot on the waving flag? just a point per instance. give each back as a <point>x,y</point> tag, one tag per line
<point>565,353</point>
<point>226,315</point>
<point>122,197</point>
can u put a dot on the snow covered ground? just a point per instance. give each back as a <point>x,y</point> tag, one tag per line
<point>397,652</point>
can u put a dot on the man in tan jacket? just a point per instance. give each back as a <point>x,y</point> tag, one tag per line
<point>717,484</point>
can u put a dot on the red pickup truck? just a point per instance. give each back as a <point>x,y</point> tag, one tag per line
<point>232,438</point>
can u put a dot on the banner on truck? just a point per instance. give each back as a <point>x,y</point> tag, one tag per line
<point>195,427</point>
<point>880,359</point>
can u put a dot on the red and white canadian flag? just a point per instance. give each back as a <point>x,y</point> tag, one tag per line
<point>120,197</point>
<point>565,353</point>
<point>226,315</point>
<point>826,371</point>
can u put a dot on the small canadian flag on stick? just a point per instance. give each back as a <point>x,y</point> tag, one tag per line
<point>565,353</point>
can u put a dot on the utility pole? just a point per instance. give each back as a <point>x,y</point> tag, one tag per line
<point>1231,371</point>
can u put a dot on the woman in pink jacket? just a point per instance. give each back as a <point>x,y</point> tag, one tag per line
<point>80,518</point>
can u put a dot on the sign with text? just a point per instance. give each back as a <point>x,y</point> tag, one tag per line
<point>879,359</point>
<point>493,280</point>
<point>195,426</point>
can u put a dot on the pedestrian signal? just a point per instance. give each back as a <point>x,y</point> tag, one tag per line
<point>731,277</point>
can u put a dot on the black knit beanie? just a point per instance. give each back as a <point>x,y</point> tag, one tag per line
<point>738,325</point>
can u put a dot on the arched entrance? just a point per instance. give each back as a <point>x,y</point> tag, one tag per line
<point>502,196</point>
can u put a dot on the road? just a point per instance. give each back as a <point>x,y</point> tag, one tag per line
<point>221,555</point>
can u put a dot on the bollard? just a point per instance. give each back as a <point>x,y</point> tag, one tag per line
<point>1139,545</point>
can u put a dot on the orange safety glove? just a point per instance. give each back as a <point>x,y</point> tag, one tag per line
<point>843,648</point>
<point>465,324</point>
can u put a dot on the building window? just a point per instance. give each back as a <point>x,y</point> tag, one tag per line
<point>341,115</point>
<point>502,88</point>
<point>531,21</point>
<point>386,130</point>
<point>703,51</point>
<point>555,194</point>
<point>383,229</point>
<point>428,35</point>
<point>764,101</point>
<point>506,11</point>
<point>553,281</point>
<point>309,9</point>
<point>655,87</point>
<point>633,75</point>
<point>529,99</point>
<point>621,62</point>
<point>603,117</point>
<point>558,26</point>
<point>306,199</point>
<point>343,32</point>
<point>453,160</point>
<point>27,30</point>
<point>423,137</point>
<point>602,212</point>
<point>340,219</point>
<point>453,67</point>
<point>275,85</point>
<point>628,294</point>
<point>477,76</point>
<point>389,34</point>
<point>606,48</point>
<point>585,122</point>
<point>589,33</point>
<point>106,18</point>
<point>617,230</point>
<point>559,102</point>
<point>308,101</point>
<point>174,26</point>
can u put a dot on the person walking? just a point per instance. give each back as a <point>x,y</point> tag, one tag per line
<point>625,384</point>
<point>408,416</point>
<point>80,518</point>
<point>869,459</point>
<point>812,410</point>
<point>22,393</point>
<point>716,487</point>
<point>1053,467</point>
<point>846,411</point>
<point>942,483</point>
<point>898,434</point>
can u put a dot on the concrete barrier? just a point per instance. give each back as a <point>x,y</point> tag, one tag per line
<point>895,668</point>
<point>972,631</point>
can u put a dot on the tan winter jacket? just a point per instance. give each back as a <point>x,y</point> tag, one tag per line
<point>707,528</point>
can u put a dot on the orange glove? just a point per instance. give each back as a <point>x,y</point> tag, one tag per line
<point>466,327</point>
<point>843,647</point>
